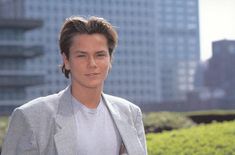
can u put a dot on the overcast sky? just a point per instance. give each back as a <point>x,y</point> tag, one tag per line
<point>217,21</point>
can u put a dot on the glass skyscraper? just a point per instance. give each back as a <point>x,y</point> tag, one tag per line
<point>177,40</point>
<point>133,74</point>
<point>157,53</point>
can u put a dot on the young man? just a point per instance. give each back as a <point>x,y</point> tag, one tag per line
<point>81,119</point>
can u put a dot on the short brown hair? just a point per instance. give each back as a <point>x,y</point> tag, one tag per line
<point>79,25</point>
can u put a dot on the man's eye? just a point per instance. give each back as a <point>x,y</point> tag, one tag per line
<point>81,56</point>
<point>101,55</point>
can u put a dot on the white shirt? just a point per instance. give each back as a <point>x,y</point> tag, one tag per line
<point>97,133</point>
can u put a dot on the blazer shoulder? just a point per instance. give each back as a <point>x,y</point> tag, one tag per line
<point>40,109</point>
<point>121,102</point>
<point>46,102</point>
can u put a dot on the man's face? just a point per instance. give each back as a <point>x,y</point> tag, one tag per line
<point>89,60</point>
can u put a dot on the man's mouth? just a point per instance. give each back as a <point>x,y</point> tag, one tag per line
<point>92,74</point>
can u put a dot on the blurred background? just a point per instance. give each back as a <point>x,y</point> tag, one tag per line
<point>173,55</point>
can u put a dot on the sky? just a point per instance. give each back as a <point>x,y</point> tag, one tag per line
<point>217,21</point>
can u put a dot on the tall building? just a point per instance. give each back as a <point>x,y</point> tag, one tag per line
<point>133,75</point>
<point>157,53</point>
<point>220,73</point>
<point>177,39</point>
<point>14,53</point>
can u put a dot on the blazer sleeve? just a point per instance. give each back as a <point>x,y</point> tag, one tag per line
<point>140,129</point>
<point>19,139</point>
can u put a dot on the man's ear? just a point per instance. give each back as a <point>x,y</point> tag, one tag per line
<point>66,61</point>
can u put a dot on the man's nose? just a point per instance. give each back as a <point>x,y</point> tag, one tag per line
<point>92,62</point>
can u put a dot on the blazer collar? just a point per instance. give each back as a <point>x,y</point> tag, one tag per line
<point>127,131</point>
<point>65,137</point>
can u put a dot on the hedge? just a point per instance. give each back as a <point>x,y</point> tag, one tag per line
<point>3,126</point>
<point>211,116</point>
<point>160,121</point>
<point>211,139</point>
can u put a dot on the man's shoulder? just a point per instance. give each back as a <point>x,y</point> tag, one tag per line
<point>119,101</point>
<point>42,105</point>
<point>49,100</point>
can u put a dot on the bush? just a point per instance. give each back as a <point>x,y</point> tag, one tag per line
<point>211,116</point>
<point>160,121</point>
<point>212,139</point>
<point>3,126</point>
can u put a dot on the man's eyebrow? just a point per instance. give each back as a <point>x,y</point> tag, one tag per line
<point>81,52</point>
<point>84,52</point>
<point>102,51</point>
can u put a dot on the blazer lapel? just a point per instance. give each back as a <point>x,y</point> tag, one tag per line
<point>65,137</point>
<point>127,131</point>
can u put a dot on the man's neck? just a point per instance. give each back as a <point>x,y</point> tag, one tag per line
<point>90,97</point>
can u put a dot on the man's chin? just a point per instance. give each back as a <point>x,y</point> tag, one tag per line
<point>94,85</point>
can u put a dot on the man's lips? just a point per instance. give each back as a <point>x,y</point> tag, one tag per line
<point>92,74</point>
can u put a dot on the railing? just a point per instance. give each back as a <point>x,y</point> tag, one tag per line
<point>20,51</point>
<point>20,23</point>
<point>17,80</point>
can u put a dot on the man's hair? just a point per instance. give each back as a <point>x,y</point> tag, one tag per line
<point>78,25</point>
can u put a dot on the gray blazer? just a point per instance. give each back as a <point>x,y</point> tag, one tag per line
<point>46,126</point>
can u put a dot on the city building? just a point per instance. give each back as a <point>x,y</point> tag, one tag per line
<point>220,73</point>
<point>14,54</point>
<point>157,53</point>
<point>133,75</point>
<point>177,39</point>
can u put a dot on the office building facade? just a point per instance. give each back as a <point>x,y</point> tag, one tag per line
<point>14,54</point>
<point>220,73</point>
<point>177,42</point>
<point>133,74</point>
<point>157,52</point>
